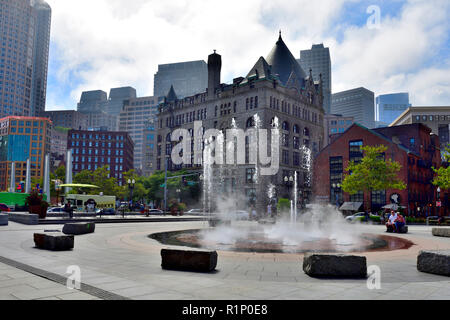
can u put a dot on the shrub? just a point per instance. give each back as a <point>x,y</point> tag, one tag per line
<point>284,205</point>
<point>34,199</point>
<point>182,206</point>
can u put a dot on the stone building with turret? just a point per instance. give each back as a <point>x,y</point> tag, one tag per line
<point>275,87</point>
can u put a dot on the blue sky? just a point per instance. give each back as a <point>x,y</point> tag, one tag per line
<point>100,44</point>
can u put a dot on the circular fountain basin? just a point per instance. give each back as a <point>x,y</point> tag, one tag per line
<point>258,242</point>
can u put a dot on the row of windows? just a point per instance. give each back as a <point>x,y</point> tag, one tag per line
<point>95,167</point>
<point>96,152</point>
<point>184,118</point>
<point>432,118</point>
<point>97,136</point>
<point>96,144</point>
<point>298,112</point>
<point>97,159</point>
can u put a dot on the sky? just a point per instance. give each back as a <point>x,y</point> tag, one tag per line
<point>103,44</point>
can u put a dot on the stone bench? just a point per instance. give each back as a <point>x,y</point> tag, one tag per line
<point>78,228</point>
<point>334,266</point>
<point>188,260</point>
<point>54,241</point>
<point>267,221</point>
<point>441,232</point>
<point>4,219</point>
<point>435,262</point>
<point>24,218</point>
<point>403,229</point>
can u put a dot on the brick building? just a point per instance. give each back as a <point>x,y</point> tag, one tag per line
<point>413,146</point>
<point>95,149</point>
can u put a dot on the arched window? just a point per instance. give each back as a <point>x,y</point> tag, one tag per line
<point>296,129</point>
<point>285,126</point>
<point>306,132</point>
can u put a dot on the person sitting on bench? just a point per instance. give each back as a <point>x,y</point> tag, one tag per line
<point>399,223</point>
<point>391,221</point>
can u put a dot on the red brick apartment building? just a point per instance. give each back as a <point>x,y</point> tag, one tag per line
<point>413,146</point>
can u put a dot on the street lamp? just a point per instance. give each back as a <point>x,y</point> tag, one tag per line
<point>438,193</point>
<point>289,181</point>
<point>178,195</point>
<point>131,184</point>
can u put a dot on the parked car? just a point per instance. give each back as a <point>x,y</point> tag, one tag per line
<point>55,210</point>
<point>156,212</point>
<point>4,207</point>
<point>195,212</point>
<point>360,216</point>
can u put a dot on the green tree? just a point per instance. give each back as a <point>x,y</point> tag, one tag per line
<point>372,173</point>
<point>442,179</point>
<point>97,178</point>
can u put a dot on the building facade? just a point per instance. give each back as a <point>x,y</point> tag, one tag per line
<point>358,103</point>
<point>71,119</point>
<point>95,149</point>
<point>410,145</point>
<point>117,98</point>
<point>133,119</point>
<point>18,23</point>
<point>23,138</point>
<point>335,124</point>
<point>389,107</point>
<point>187,78</point>
<point>58,147</point>
<point>149,146</point>
<point>319,60</point>
<point>436,118</point>
<point>40,57</point>
<point>276,90</point>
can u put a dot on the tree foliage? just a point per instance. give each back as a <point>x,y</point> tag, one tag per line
<point>442,179</point>
<point>373,173</point>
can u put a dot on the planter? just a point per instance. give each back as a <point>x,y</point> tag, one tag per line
<point>43,212</point>
<point>35,209</point>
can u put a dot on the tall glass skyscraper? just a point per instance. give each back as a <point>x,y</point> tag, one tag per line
<point>358,103</point>
<point>24,46</point>
<point>389,107</point>
<point>187,78</point>
<point>318,59</point>
<point>40,56</point>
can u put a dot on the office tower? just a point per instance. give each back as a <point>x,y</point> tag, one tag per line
<point>335,124</point>
<point>18,22</point>
<point>318,59</point>
<point>187,78</point>
<point>358,103</point>
<point>40,57</point>
<point>133,118</point>
<point>117,97</point>
<point>23,138</point>
<point>68,119</point>
<point>93,149</point>
<point>389,107</point>
<point>92,101</point>
<point>148,147</point>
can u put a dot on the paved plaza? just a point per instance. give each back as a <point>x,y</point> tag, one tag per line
<point>120,261</point>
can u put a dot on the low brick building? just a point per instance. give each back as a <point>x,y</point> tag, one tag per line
<point>413,146</point>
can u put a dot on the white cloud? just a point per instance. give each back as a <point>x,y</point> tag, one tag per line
<point>110,43</point>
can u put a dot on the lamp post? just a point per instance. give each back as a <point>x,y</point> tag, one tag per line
<point>131,184</point>
<point>336,187</point>
<point>178,195</point>
<point>289,181</point>
<point>438,199</point>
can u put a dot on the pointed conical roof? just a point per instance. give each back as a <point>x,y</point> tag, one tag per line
<point>171,95</point>
<point>260,70</point>
<point>283,63</point>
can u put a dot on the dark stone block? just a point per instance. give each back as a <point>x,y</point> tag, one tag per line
<point>219,222</point>
<point>339,265</point>
<point>267,221</point>
<point>4,219</point>
<point>441,232</point>
<point>54,241</point>
<point>188,260</point>
<point>435,262</point>
<point>79,228</point>
<point>403,229</point>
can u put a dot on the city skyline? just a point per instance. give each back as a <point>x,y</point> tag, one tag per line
<point>383,59</point>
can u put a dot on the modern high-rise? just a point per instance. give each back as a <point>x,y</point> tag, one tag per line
<point>93,104</point>
<point>389,107</point>
<point>68,119</point>
<point>117,97</point>
<point>133,118</point>
<point>358,103</point>
<point>23,138</point>
<point>40,56</point>
<point>148,148</point>
<point>335,124</point>
<point>17,25</point>
<point>319,61</point>
<point>188,78</point>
